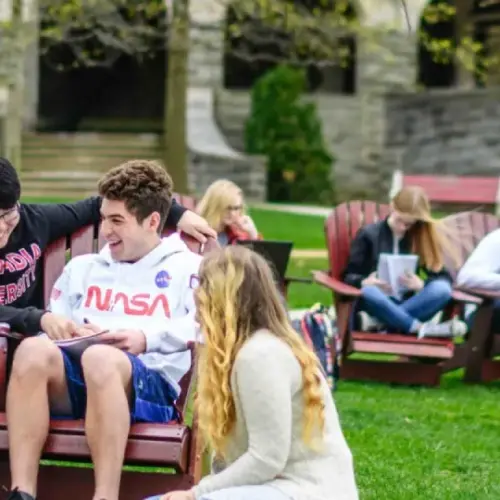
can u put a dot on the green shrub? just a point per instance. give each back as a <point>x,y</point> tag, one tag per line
<point>288,132</point>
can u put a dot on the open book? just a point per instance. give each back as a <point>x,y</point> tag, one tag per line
<point>74,346</point>
<point>391,267</point>
<point>77,345</point>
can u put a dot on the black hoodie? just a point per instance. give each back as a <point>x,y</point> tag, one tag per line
<point>21,287</point>
<point>369,243</point>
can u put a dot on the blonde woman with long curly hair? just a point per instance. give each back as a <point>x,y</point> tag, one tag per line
<point>409,229</point>
<point>264,405</point>
<point>223,207</point>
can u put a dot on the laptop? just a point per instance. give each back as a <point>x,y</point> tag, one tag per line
<point>277,254</point>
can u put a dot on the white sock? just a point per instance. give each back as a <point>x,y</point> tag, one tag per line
<point>451,328</point>
<point>368,322</point>
<point>415,326</point>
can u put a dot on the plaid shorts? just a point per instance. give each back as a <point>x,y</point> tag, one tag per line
<point>153,398</point>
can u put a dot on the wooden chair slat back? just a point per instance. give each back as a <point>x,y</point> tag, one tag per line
<point>188,202</point>
<point>54,260</point>
<point>466,230</point>
<point>188,380</point>
<point>341,228</point>
<point>57,254</point>
<point>82,242</point>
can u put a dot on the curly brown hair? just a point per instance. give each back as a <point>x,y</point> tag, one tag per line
<point>143,185</point>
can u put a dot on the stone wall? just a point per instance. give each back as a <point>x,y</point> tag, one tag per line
<point>249,173</point>
<point>354,127</point>
<point>452,132</point>
<point>340,116</point>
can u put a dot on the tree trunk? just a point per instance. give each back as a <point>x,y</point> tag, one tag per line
<point>464,76</point>
<point>176,157</point>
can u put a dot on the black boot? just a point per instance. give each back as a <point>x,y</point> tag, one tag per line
<point>15,494</point>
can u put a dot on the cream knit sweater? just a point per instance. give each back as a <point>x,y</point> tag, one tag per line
<point>265,446</point>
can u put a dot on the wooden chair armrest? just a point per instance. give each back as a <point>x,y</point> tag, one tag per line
<point>480,292</point>
<point>296,279</point>
<point>337,286</point>
<point>4,353</point>
<point>461,296</point>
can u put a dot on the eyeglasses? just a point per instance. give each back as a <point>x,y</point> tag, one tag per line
<point>235,208</point>
<point>10,216</point>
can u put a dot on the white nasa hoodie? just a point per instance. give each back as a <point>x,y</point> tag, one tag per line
<point>154,294</point>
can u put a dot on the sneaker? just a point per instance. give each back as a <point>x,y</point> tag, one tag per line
<point>15,494</point>
<point>451,328</point>
<point>368,323</point>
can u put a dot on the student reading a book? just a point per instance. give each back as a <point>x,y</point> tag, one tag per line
<point>140,289</point>
<point>223,207</point>
<point>409,229</point>
<point>265,407</point>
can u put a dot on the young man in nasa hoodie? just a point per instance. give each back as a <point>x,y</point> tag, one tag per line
<point>140,288</point>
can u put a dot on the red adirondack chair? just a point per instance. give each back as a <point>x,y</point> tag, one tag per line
<point>484,345</point>
<point>174,446</point>
<point>418,361</point>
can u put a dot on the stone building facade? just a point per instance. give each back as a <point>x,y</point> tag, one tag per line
<point>364,130</point>
<point>353,125</point>
<point>383,125</point>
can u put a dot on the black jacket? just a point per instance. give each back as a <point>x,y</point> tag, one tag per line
<point>369,243</point>
<point>21,288</point>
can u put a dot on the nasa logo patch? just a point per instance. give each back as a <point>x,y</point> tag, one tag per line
<point>162,279</point>
<point>194,281</point>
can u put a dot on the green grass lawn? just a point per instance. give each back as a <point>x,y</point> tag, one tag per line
<point>306,231</point>
<point>408,443</point>
<point>423,444</point>
<point>302,295</point>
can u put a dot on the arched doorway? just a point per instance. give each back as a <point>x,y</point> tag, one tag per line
<point>252,47</point>
<point>126,94</point>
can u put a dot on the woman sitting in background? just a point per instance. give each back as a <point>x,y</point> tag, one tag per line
<point>223,208</point>
<point>264,406</point>
<point>409,229</point>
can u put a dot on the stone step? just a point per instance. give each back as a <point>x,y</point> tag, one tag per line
<point>62,161</point>
<point>59,185</point>
<point>90,139</point>
<point>58,175</point>
<point>55,195</point>
<point>86,151</point>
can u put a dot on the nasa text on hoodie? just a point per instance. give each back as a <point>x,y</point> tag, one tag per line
<point>154,294</point>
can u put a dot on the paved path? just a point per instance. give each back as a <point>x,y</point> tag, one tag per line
<point>295,209</point>
<point>309,254</point>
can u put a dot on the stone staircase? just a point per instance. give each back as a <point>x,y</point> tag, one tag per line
<point>67,166</point>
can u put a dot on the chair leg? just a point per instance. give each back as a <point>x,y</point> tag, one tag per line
<point>479,342</point>
<point>392,372</point>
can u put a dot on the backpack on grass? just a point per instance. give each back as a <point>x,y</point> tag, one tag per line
<point>318,328</point>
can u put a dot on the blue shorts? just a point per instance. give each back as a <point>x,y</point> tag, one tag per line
<point>153,398</point>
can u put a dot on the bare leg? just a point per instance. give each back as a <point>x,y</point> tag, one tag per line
<point>108,374</point>
<point>37,377</point>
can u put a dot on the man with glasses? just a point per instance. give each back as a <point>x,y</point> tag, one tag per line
<point>25,232</point>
